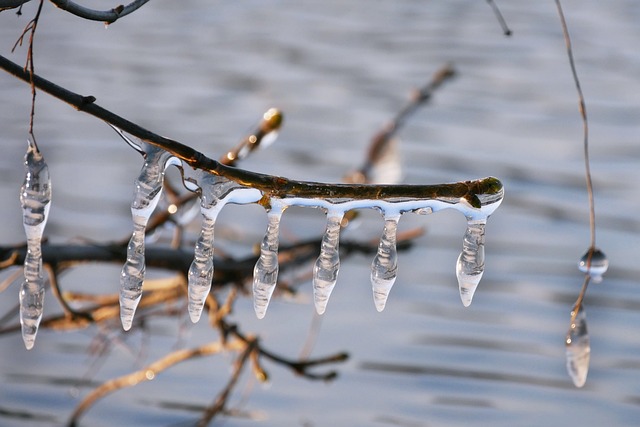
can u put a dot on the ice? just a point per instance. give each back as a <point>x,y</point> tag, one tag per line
<point>148,187</point>
<point>327,266</point>
<point>578,348</point>
<point>595,267</point>
<point>35,198</point>
<point>265,272</point>
<point>470,265</point>
<point>384,268</point>
<point>201,269</point>
<point>215,192</point>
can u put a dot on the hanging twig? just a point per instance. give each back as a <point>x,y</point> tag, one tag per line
<point>503,23</point>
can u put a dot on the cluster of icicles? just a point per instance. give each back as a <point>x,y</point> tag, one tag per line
<point>215,192</point>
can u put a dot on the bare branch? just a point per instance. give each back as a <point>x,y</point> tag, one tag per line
<point>106,16</point>
<point>381,140</point>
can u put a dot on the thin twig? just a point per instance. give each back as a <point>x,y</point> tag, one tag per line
<point>30,29</point>
<point>381,140</point>
<point>218,405</point>
<point>148,373</point>
<point>589,183</point>
<point>503,23</point>
<point>585,127</point>
<point>271,122</point>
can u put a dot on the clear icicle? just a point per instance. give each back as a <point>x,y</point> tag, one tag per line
<point>265,272</point>
<point>148,187</point>
<point>201,269</point>
<point>470,265</point>
<point>578,349</point>
<point>327,266</point>
<point>597,267</point>
<point>215,192</point>
<point>384,268</point>
<point>35,198</point>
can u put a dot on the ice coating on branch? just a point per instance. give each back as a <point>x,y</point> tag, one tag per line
<point>578,349</point>
<point>596,266</point>
<point>215,192</point>
<point>470,265</point>
<point>327,266</point>
<point>265,272</point>
<point>35,198</point>
<point>148,187</point>
<point>384,268</point>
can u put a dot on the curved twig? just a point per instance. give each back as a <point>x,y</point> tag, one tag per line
<point>106,16</point>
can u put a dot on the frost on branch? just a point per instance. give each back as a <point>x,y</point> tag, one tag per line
<point>475,199</point>
<point>35,198</point>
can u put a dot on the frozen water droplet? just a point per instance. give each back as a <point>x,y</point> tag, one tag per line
<point>470,265</point>
<point>578,349</point>
<point>327,266</point>
<point>35,198</point>
<point>148,187</point>
<point>384,268</point>
<point>595,267</point>
<point>265,272</point>
<point>201,269</point>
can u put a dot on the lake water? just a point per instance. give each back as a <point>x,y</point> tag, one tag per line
<point>203,72</point>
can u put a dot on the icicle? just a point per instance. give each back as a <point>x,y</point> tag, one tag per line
<point>215,193</point>
<point>597,267</point>
<point>201,269</point>
<point>470,265</point>
<point>327,266</point>
<point>384,268</point>
<point>148,187</point>
<point>265,272</point>
<point>578,349</point>
<point>35,198</point>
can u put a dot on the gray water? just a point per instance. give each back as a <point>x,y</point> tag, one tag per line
<point>203,73</point>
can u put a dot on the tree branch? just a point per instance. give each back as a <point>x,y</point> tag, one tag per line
<point>106,16</point>
<point>272,186</point>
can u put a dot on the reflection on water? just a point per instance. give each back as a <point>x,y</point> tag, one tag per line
<point>201,72</point>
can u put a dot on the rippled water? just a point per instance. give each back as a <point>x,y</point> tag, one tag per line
<point>203,72</point>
